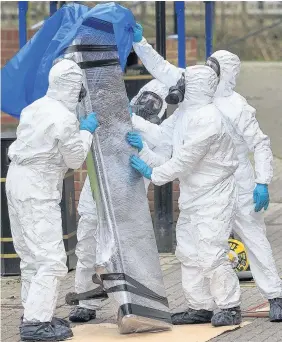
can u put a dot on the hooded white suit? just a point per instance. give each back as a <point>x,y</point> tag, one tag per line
<point>48,143</point>
<point>248,137</point>
<point>249,225</point>
<point>87,226</point>
<point>204,159</point>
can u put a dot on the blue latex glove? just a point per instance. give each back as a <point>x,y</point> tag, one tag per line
<point>261,197</point>
<point>90,123</point>
<point>137,33</point>
<point>134,139</point>
<point>140,166</point>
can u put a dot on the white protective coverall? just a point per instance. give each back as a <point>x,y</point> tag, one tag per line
<point>48,143</point>
<point>249,225</point>
<point>204,160</point>
<point>159,68</point>
<point>87,226</point>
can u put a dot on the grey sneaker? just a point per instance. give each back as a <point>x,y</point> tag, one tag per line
<point>275,312</point>
<point>225,317</point>
<point>191,316</point>
<point>81,315</point>
<point>30,331</point>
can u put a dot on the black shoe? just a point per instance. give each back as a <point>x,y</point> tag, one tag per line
<point>191,316</point>
<point>275,312</point>
<point>30,331</point>
<point>56,320</point>
<point>225,317</point>
<point>81,315</point>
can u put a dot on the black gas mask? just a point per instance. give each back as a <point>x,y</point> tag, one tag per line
<point>176,93</point>
<point>148,106</point>
<point>82,93</point>
<point>214,64</point>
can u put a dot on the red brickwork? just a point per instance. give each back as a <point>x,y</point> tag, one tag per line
<point>191,51</point>
<point>9,46</point>
<point>8,120</point>
<point>10,43</point>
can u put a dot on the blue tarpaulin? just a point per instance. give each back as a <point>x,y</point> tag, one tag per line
<point>24,78</point>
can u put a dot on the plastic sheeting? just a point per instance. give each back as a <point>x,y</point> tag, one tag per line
<point>25,76</point>
<point>127,255</point>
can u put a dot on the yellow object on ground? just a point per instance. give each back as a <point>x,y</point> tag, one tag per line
<point>109,333</point>
<point>238,247</point>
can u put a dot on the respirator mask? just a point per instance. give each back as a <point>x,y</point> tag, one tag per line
<point>176,93</point>
<point>213,63</point>
<point>148,106</point>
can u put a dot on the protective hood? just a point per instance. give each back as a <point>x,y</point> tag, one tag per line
<point>25,76</point>
<point>229,70</point>
<point>65,81</point>
<point>200,85</point>
<point>156,87</point>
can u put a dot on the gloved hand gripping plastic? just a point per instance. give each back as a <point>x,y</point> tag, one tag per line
<point>140,166</point>
<point>90,123</point>
<point>137,33</point>
<point>134,139</point>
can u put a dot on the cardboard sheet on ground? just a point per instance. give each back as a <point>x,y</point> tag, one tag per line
<point>109,333</point>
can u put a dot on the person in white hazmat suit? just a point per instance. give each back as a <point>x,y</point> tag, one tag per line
<point>204,160</point>
<point>149,104</point>
<point>49,142</point>
<point>249,224</point>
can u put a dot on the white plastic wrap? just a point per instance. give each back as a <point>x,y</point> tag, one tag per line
<point>127,250</point>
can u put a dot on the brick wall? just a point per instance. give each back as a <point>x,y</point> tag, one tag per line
<point>191,51</point>
<point>10,43</point>
<point>7,121</point>
<point>9,46</point>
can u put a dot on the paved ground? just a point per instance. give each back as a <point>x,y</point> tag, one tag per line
<point>260,330</point>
